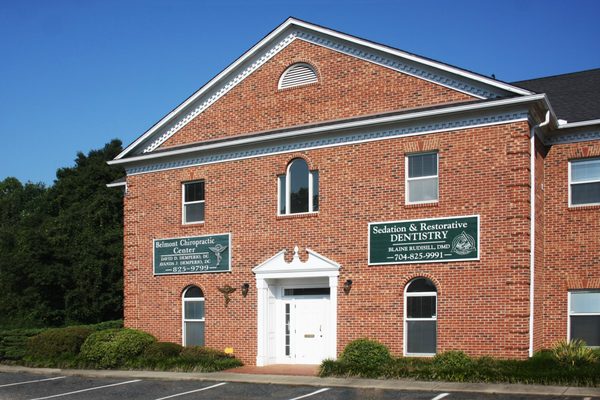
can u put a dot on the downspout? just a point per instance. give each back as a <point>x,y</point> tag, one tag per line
<point>532,229</point>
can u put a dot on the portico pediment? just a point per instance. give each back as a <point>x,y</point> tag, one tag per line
<point>316,265</point>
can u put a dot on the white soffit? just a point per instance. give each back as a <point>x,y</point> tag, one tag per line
<point>211,92</point>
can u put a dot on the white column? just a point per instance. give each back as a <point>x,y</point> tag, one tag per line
<point>332,342</point>
<point>262,296</point>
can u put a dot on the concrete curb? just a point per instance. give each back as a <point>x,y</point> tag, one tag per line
<point>390,384</point>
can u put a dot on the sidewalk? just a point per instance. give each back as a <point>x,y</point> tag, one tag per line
<point>391,384</point>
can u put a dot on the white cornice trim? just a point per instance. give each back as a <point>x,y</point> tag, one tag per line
<point>333,127</point>
<point>116,184</point>
<point>412,57</point>
<point>579,124</point>
<point>255,49</point>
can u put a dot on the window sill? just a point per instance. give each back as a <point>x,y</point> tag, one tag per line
<point>424,355</point>
<point>192,224</point>
<point>422,205</point>
<point>298,215</point>
<point>594,206</point>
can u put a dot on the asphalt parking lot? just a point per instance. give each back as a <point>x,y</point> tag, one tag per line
<point>24,386</point>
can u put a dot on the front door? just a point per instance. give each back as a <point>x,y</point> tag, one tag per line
<point>306,326</point>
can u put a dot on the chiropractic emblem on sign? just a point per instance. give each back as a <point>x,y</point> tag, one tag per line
<point>218,249</point>
<point>463,244</point>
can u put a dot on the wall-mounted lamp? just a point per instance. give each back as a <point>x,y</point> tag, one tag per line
<point>347,286</point>
<point>245,288</point>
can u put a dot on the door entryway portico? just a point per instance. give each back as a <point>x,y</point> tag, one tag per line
<point>297,309</point>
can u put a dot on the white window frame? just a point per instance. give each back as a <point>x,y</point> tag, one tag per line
<point>184,203</point>
<point>408,294</point>
<point>184,300</point>
<point>287,189</point>
<point>571,183</point>
<point>571,314</point>
<point>407,179</point>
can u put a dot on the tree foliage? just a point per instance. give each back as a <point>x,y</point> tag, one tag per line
<point>61,246</point>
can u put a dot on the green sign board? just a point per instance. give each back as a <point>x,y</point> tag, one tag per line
<point>192,255</point>
<point>424,240</point>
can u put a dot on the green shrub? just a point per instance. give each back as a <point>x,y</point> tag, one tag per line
<point>202,352</point>
<point>574,353</point>
<point>331,368</point>
<point>161,350</point>
<point>13,343</point>
<point>113,347</point>
<point>365,357</point>
<point>57,342</point>
<point>452,365</point>
<point>116,324</point>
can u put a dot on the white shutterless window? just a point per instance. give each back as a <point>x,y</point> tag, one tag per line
<point>420,318</point>
<point>584,182</point>
<point>193,202</point>
<point>298,189</point>
<point>193,317</point>
<point>421,178</point>
<point>584,316</point>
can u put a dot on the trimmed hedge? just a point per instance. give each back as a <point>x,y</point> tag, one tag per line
<point>57,343</point>
<point>114,347</point>
<point>545,367</point>
<point>13,343</point>
<point>160,350</point>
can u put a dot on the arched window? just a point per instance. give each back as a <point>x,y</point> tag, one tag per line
<point>298,189</point>
<point>193,316</point>
<point>420,317</point>
<point>297,75</point>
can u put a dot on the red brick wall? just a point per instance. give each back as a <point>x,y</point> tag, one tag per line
<point>483,307</point>
<point>347,87</point>
<point>541,152</point>
<point>572,240</point>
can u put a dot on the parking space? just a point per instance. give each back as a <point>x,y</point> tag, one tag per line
<point>22,386</point>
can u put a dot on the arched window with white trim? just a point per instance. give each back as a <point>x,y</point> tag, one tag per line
<point>298,189</point>
<point>193,316</point>
<point>420,318</point>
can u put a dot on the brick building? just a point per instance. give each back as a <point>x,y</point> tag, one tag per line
<point>324,188</point>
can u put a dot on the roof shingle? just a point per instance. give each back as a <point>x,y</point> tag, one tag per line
<point>574,97</point>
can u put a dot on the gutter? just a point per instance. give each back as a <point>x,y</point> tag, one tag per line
<point>339,126</point>
<point>532,229</point>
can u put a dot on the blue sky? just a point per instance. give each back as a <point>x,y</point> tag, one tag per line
<point>76,74</point>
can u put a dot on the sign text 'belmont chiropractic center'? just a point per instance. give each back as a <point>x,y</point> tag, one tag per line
<point>425,240</point>
<point>192,255</point>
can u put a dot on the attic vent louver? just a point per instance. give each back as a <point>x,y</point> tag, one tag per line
<point>297,75</point>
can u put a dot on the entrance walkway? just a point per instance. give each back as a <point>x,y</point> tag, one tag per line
<point>278,369</point>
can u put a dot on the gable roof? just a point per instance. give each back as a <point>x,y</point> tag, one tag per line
<point>574,96</point>
<point>458,79</point>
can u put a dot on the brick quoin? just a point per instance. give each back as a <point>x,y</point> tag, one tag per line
<point>483,306</point>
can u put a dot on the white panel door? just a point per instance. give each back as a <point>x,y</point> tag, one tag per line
<point>309,321</point>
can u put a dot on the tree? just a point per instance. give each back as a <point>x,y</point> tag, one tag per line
<point>61,252</point>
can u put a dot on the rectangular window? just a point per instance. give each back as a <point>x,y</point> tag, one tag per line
<point>584,178</point>
<point>193,202</point>
<point>584,316</point>
<point>421,178</point>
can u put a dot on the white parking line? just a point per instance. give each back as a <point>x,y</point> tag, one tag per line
<point>311,394</point>
<point>39,380</point>
<point>193,391</point>
<point>440,396</point>
<point>86,390</point>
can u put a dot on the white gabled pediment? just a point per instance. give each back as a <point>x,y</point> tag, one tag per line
<point>292,29</point>
<point>278,267</point>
